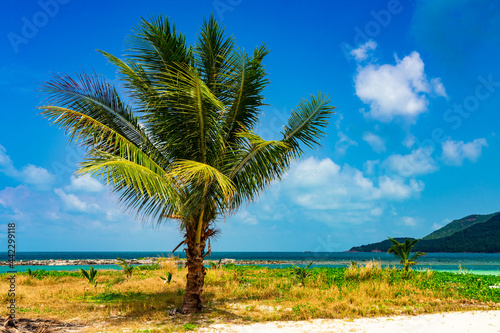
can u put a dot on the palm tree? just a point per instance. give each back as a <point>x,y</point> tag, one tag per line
<point>403,252</point>
<point>184,147</point>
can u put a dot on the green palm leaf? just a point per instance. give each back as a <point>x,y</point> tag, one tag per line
<point>212,52</point>
<point>246,81</point>
<point>307,122</point>
<point>94,97</point>
<point>403,252</point>
<point>156,44</point>
<point>256,164</point>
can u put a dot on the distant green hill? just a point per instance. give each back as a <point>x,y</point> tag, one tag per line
<point>458,225</point>
<point>480,237</point>
<point>382,246</point>
<point>474,233</point>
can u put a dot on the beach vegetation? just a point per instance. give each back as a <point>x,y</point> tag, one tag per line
<point>167,278</point>
<point>51,274</point>
<point>151,267</point>
<point>403,252</point>
<point>241,294</point>
<point>301,273</point>
<point>215,265</point>
<point>36,274</point>
<point>189,327</point>
<point>91,276</point>
<point>371,270</point>
<point>182,145</point>
<point>127,269</point>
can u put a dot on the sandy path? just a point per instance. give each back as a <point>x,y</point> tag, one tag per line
<point>455,322</point>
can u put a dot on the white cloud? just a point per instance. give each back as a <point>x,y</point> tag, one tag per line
<point>323,185</point>
<point>438,87</point>
<point>30,174</point>
<point>53,216</point>
<point>343,143</point>
<point>339,117</point>
<point>326,192</point>
<point>110,216</point>
<point>5,161</point>
<point>71,201</point>
<point>375,141</point>
<point>409,141</point>
<point>84,183</point>
<point>398,90</point>
<point>455,152</point>
<point>9,196</point>
<point>311,172</point>
<point>361,53</point>
<point>369,166</point>
<point>247,218</point>
<point>409,221</point>
<point>398,189</point>
<point>377,211</point>
<point>418,162</point>
<point>437,226</point>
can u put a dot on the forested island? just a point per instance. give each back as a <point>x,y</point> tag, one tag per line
<point>473,233</point>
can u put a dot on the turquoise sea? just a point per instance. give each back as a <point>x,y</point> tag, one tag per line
<point>478,263</point>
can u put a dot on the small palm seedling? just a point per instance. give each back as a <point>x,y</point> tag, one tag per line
<point>33,274</point>
<point>302,273</point>
<point>167,278</point>
<point>403,252</point>
<point>90,276</point>
<point>127,269</point>
<point>215,265</point>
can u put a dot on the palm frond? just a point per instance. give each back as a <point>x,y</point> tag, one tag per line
<point>98,136</point>
<point>144,188</point>
<point>131,171</point>
<point>307,123</point>
<point>192,118</point>
<point>156,45</point>
<point>246,81</point>
<point>137,81</point>
<point>199,176</point>
<point>94,97</point>
<point>256,164</point>
<point>417,255</point>
<point>85,274</point>
<point>212,52</point>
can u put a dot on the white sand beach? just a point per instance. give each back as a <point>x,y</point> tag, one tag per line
<point>454,322</point>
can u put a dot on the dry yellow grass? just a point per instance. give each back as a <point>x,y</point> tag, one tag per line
<point>231,294</point>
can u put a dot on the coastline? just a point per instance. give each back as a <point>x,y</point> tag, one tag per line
<point>72,264</point>
<point>478,264</point>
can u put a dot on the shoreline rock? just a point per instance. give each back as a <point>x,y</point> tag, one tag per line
<point>145,261</point>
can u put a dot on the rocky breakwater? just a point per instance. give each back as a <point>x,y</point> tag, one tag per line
<point>78,262</point>
<point>256,262</point>
<point>142,261</point>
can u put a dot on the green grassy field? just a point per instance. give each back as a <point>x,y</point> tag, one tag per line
<point>145,303</point>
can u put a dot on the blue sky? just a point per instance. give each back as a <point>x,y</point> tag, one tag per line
<point>413,144</point>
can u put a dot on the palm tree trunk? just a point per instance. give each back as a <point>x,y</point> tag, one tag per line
<point>193,298</point>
